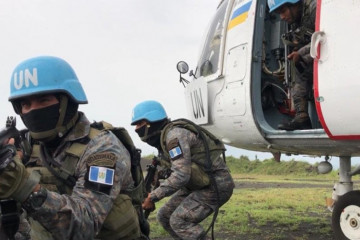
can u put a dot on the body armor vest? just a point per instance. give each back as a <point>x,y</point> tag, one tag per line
<point>122,221</point>
<point>200,168</point>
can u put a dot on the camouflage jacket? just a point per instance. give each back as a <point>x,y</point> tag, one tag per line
<point>81,214</point>
<point>304,29</point>
<point>181,165</point>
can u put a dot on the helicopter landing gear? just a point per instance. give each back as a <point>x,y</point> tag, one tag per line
<point>346,216</point>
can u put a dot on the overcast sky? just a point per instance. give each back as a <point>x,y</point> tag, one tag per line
<point>123,51</point>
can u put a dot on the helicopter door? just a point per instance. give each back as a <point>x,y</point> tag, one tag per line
<point>239,36</point>
<point>335,48</point>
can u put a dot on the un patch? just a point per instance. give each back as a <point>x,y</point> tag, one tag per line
<point>101,175</point>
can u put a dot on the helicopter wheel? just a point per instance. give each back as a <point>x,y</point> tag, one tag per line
<point>346,216</point>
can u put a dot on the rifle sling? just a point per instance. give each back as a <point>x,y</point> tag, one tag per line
<point>47,159</point>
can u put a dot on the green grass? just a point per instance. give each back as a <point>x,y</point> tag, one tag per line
<point>270,167</point>
<point>268,210</point>
<point>277,213</point>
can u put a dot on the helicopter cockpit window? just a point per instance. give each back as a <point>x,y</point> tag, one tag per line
<point>209,59</point>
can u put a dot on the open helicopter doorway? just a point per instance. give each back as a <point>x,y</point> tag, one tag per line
<point>272,95</point>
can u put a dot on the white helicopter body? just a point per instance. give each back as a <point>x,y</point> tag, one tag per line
<point>240,89</point>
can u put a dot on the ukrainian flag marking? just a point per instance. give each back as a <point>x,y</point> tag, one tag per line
<point>239,15</point>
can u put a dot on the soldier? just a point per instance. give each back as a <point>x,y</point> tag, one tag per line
<point>200,181</point>
<point>73,185</point>
<point>300,15</point>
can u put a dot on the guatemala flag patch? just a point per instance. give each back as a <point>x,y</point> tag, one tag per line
<point>101,175</point>
<point>175,152</point>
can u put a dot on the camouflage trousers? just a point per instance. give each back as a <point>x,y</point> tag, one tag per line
<point>181,215</point>
<point>303,82</point>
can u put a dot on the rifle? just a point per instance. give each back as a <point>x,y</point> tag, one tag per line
<point>150,177</point>
<point>151,172</point>
<point>21,142</point>
<point>10,214</point>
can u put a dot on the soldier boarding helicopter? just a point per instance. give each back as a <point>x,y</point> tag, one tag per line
<point>240,90</point>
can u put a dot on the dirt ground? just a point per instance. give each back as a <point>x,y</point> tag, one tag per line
<point>305,232</point>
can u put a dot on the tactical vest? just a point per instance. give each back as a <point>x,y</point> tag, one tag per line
<point>199,170</point>
<point>122,222</point>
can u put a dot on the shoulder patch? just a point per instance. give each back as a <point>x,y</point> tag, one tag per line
<point>101,175</point>
<point>174,148</point>
<point>104,159</point>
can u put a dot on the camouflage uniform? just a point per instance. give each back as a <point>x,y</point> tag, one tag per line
<point>304,69</point>
<point>81,213</point>
<point>181,215</point>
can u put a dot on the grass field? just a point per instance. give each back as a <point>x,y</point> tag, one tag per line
<point>270,207</point>
<point>271,201</point>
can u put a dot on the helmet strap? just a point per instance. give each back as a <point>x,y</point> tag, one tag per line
<point>61,129</point>
<point>62,110</point>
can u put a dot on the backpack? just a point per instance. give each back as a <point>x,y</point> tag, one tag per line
<point>138,194</point>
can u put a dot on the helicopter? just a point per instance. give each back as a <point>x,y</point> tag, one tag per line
<point>240,91</point>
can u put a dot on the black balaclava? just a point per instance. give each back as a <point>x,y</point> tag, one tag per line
<point>52,122</point>
<point>150,132</point>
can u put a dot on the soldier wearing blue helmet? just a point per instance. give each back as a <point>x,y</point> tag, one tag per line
<point>300,15</point>
<point>153,113</point>
<point>275,4</point>
<point>199,182</point>
<point>74,184</point>
<point>45,76</point>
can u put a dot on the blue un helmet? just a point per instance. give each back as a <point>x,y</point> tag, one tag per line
<point>275,4</point>
<point>151,111</point>
<point>45,74</point>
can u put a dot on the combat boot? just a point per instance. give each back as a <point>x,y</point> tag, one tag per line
<point>301,119</point>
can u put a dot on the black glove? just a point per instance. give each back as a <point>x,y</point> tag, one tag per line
<point>15,181</point>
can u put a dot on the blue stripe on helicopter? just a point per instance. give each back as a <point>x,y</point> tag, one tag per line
<point>239,15</point>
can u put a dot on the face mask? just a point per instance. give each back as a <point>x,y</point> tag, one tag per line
<point>149,135</point>
<point>142,131</point>
<point>43,119</point>
<point>154,140</point>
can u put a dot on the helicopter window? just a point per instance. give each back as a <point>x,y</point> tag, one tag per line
<point>209,59</point>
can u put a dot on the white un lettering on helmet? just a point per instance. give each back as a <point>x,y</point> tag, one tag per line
<point>25,78</point>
